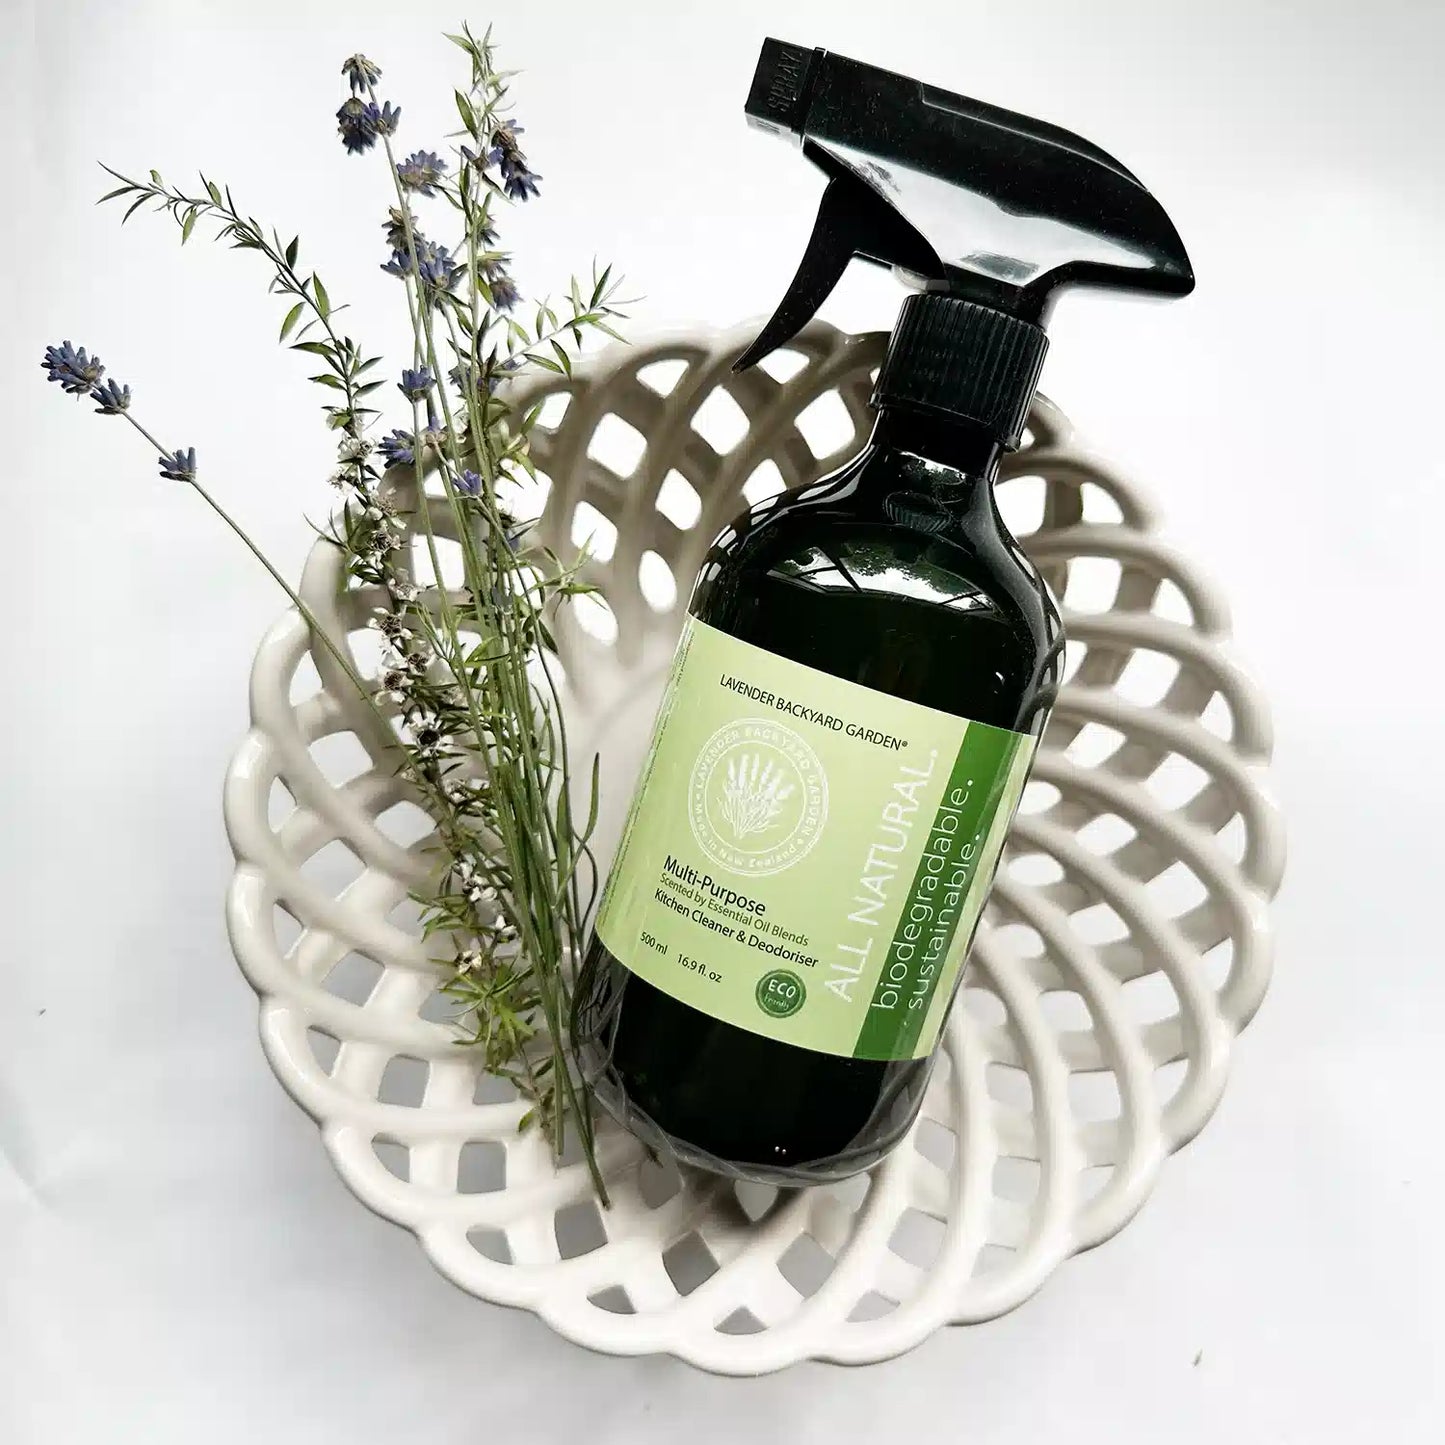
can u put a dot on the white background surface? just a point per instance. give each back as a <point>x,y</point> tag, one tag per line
<point>177,1260</point>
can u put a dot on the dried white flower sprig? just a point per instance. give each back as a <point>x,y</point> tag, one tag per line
<point>465,673</point>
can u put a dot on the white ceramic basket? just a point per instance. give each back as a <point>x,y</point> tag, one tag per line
<point>1126,943</point>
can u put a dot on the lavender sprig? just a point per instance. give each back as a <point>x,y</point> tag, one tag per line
<point>67,367</point>
<point>481,735</point>
<point>345,364</point>
<point>551,924</point>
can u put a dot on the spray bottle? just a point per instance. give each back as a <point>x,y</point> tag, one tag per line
<point>868,661</point>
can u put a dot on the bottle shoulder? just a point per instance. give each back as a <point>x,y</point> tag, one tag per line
<point>896,575</point>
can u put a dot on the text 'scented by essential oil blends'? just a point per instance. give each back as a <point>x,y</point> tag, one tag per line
<point>806,858</point>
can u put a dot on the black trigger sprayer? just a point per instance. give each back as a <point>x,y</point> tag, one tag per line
<point>993,212</point>
<point>868,662</point>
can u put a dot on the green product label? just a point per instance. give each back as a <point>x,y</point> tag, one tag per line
<point>807,858</point>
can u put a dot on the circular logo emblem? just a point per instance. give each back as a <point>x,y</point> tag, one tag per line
<point>758,797</point>
<point>780,994</point>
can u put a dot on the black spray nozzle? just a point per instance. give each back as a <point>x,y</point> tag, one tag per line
<point>976,202</point>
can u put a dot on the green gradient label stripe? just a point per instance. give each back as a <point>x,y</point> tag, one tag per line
<point>1014,765</point>
<point>987,866</point>
<point>933,906</point>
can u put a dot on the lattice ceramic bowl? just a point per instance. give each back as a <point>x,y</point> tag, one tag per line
<point>1126,944</point>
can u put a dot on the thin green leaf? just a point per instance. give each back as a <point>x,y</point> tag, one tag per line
<point>323,301</point>
<point>292,317</point>
<point>594,796</point>
<point>293,250</point>
<point>468,115</point>
<point>562,817</point>
<point>188,225</point>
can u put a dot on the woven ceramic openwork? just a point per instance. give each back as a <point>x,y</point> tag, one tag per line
<point>1126,944</point>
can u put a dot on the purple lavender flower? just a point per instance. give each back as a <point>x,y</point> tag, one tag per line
<point>469,484</point>
<point>416,384</point>
<point>355,125</point>
<point>492,375</point>
<point>397,222</point>
<point>361,72</point>
<point>434,434</point>
<point>435,264</point>
<point>361,122</point>
<point>179,466</point>
<point>399,448</point>
<point>113,398</point>
<point>521,184</point>
<point>78,373</point>
<point>465,380</point>
<point>504,290</point>
<point>504,144</point>
<point>519,180</point>
<point>422,172</point>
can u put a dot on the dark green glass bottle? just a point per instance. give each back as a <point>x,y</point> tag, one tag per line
<point>896,573</point>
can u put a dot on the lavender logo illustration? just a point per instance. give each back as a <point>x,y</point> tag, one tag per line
<point>757,798</point>
<point>753,793</point>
